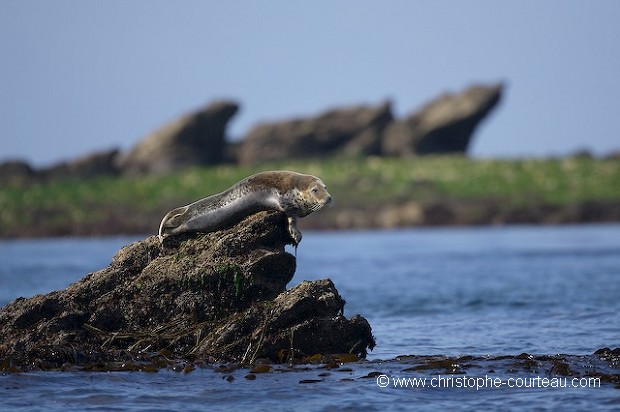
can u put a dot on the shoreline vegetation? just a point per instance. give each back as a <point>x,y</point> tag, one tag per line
<point>369,192</point>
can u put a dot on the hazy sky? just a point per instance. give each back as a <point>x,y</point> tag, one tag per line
<point>81,76</point>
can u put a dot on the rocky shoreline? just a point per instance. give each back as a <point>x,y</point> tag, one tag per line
<point>217,297</point>
<point>368,133</point>
<point>472,212</point>
<point>392,215</point>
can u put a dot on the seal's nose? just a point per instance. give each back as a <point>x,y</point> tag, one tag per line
<point>329,200</point>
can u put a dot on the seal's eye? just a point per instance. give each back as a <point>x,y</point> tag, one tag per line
<point>315,190</point>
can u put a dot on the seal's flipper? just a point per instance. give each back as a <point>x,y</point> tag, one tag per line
<point>294,231</point>
<point>172,220</point>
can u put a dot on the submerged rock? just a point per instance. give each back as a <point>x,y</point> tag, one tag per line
<point>218,296</point>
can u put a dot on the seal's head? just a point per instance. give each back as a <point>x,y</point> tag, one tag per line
<point>304,194</point>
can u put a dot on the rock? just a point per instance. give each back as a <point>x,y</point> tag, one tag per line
<point>15,173</point>
<point>95,164</point>
<point>396,215</point>
<point>194,139</point>
<point>91,165</point>
<point>444,125</point>
<point>352,130</point>
<point>217,297</point>
<point>614,155</point>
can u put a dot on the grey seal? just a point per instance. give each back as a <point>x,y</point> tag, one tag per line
<point>294,194</point>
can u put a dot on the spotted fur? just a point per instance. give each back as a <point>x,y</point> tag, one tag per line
<point>295,194</point>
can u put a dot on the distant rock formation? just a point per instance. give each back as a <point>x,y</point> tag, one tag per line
<point>214,297</point>
<point>351,130</point>
<point>15,172</point>
<point>94,164</point>
<point>194,139</point>
<point>445,125</point>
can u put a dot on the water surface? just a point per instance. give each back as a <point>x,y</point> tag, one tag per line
<point>483,292</point>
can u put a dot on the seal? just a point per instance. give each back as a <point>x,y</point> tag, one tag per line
<point>294,194</point>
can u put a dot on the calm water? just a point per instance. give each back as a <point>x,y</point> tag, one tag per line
<point>474,291</point>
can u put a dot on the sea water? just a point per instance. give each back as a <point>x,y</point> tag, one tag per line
<point>483,292</point>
